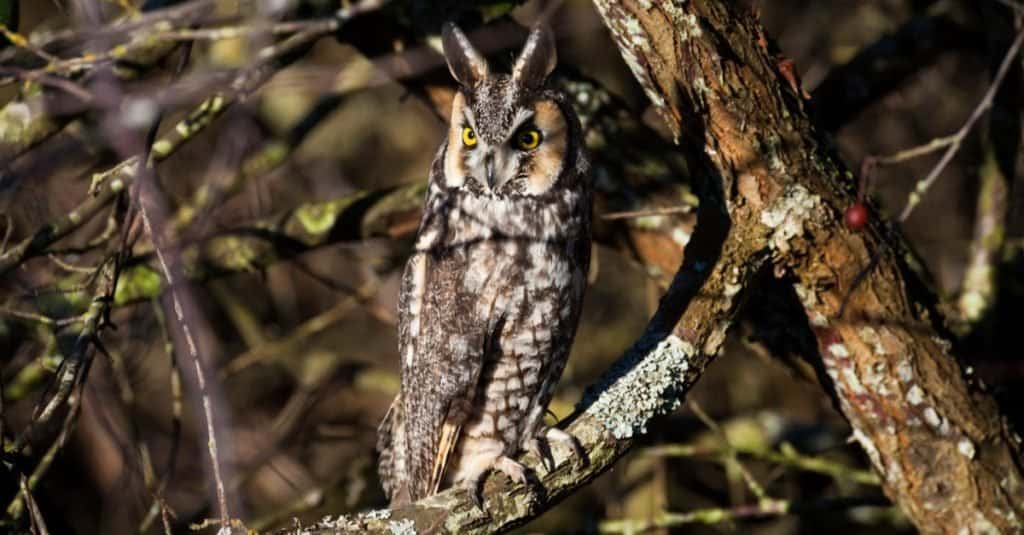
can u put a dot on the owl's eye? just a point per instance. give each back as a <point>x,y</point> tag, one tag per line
<point>528,139</point>
<point>468,137</point>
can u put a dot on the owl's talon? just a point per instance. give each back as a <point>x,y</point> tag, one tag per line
<point>542,450</point>
<point>554,434</point>
<point>476,491</point>
<point>518,473</point>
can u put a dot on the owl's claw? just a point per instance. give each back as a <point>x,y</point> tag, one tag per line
<point>542,450</point>
<point>506,465</point>
<point>540,446</point>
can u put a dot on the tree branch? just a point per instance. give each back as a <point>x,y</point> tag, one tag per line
<point>936,439</point>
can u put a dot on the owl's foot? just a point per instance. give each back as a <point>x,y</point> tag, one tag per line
<point>511,468</point>
<point>540,445</point>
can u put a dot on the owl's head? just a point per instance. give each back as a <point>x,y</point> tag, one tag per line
<point>508,135</point>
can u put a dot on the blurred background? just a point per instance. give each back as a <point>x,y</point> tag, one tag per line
<point>292,210</point>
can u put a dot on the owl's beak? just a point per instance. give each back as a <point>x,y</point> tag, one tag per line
<point>489,168</point>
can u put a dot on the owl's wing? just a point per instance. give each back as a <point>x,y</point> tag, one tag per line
<point>442,349</point>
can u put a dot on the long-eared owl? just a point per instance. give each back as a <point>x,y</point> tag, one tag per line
<point>491,296</point>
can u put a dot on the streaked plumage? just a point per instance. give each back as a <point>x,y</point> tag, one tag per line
<point>491,295</point>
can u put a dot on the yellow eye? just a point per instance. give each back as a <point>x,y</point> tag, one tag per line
<point>528,139</point>
<point>468,137</point>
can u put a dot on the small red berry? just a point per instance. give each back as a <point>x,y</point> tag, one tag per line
<point>856,216</point>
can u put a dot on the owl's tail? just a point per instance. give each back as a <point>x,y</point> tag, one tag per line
<point>391,465</point>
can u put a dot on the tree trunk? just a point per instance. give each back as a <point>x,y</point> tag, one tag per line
<point>945,455</point>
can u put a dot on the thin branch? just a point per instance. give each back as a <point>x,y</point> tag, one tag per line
<point>752,483</point>
<point>952,143</point>
<point>35,516</point>
<point>786,455</point>
<point>76,363</point>
<point>716,515</point>
<point>17,505</point>
<point>633,214</point>
<point>171,270</point>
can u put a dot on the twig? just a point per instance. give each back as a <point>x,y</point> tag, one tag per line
<point>159,506</point>
<point>785,456</point>
<point>752,483</point>
<point>20,41</point>
<point>8,230</point>
<point>35,516</point>
<point>143,458</point>
<point>952,143</point>
<point>76,364</point>
<point>171,269</point>
<point>16,507</point>
<point>278,348</point>
<point>234,32</point>
<point>632,214</point>
<point>38,242</point>
<point>111,182</point>
<point>56,82</point>
<point>149,207</point>
<point>717,515</point>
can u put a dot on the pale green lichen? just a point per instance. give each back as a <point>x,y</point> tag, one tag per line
<point>905,371</point>
<point>686,23</point>
<point>772,150</point>
<point>871,337</point>
<point>379,514</point>
<point>972,305</point>
<point>402,527</point>
<point>680,236</point>
<point>650,380</point>
<point>789,216</point>
<point>966,448</point>
<point>936,420</point>
<point>915,395</point>
<point>689,27</point>
<point>732,285</point>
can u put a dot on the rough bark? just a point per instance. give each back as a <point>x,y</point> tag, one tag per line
<point>944,453</point>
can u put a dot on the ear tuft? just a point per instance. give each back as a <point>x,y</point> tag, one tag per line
<point>537,59</point>
<point>467,66</point>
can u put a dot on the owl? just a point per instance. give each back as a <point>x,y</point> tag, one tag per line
<point>491,296</point>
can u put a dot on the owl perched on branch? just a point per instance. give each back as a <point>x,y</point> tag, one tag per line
<point>492,293</point>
